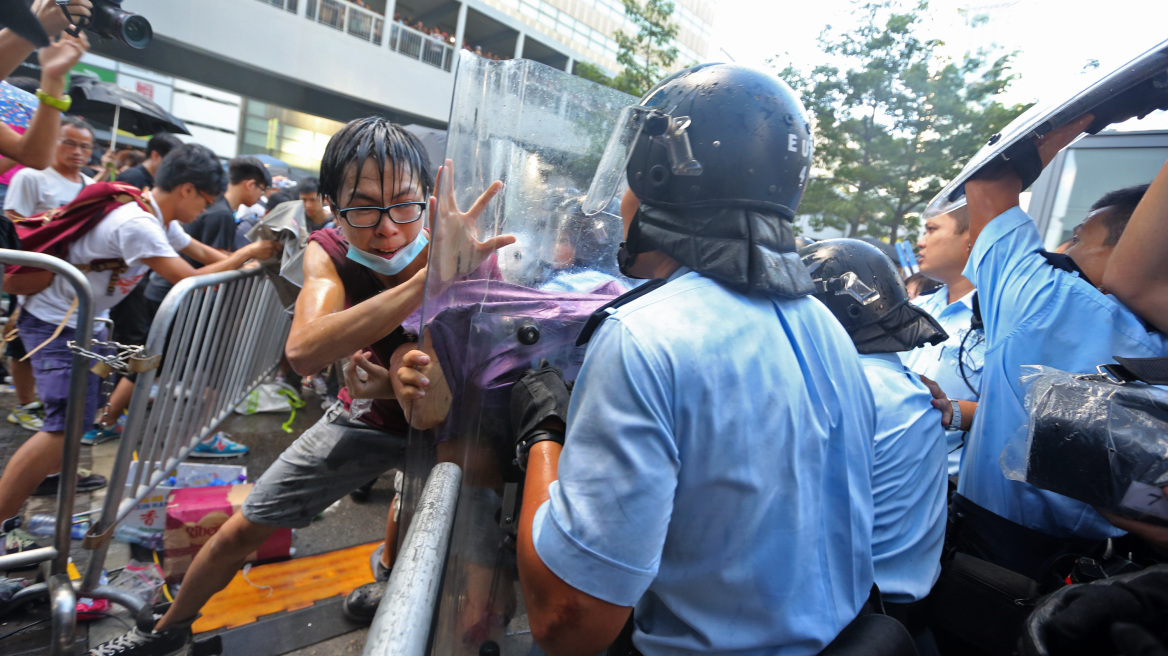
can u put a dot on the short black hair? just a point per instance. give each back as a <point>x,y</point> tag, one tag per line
<point>191,163</point>
<point>1122,203</point>
<point>75,122</point>
<point>162,144</point>
<point>388,144</point>
<point>244,168</point>
<point>309,185</point>
<point>282,196</point>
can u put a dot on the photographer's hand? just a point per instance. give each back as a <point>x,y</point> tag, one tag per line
<point>56,17</point>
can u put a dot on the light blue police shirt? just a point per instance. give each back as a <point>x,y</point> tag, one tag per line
<point>717,473</point>
<point>1036,314</point>
<point>909,481</point>
<point>940,361</point>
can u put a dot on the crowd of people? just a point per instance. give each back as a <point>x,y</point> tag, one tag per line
<point>767,450</point>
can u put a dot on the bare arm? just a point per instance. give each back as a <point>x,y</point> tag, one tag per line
<point>563,619</point>
<point>175,269</point>
<point>323,331</point>
<point>35,148</point>
<point>202,253</point>
<point>1137,272</point>
<point>14,49</point>
<point>989,195</point>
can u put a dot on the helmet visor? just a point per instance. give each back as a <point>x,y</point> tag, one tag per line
<point>610,173</point>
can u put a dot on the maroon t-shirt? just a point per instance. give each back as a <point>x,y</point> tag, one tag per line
<point>360,285</point>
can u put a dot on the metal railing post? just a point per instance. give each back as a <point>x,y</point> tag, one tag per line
<point>401,626</point>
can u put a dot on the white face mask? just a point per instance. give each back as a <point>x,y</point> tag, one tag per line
<point>394,265</point>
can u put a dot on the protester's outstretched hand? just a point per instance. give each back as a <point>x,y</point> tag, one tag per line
<point>55,20</point>
<point>264,249</point>
<point>365,379</point>
<point>62,54</point>
<point>461,252</point>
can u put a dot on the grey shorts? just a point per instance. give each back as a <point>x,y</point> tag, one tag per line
<point>334,457</point>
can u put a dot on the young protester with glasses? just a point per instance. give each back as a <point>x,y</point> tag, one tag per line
<point>33,192</point>
<point>362,278</point>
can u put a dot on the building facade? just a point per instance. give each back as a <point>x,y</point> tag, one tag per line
<point>281,76</point>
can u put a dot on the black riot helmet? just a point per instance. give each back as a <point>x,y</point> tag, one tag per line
<point>861,287</point>
<point>718,156</point>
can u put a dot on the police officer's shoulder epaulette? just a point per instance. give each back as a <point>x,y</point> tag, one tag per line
<point>603,313</point>
<point>1063,262</point>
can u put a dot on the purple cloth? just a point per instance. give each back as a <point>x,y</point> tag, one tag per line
<point>52,366</point>
<point>475,334</point>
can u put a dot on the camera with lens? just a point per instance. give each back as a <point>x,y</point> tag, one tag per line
<point>109,20</point>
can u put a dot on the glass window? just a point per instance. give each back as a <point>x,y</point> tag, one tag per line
<point>1091,172</point>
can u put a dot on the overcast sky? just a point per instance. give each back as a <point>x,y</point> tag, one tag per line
<point>1053,40</point>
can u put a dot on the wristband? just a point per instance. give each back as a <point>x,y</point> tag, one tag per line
<point>535,437</point>
<point>955,422</point>
<point>61,104</point>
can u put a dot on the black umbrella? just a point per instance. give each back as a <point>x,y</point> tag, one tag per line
<point>16,16</point>
<point>106,102</point>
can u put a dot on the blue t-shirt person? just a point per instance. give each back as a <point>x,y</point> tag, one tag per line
<point>1035,313</point>
<point>716,473</point>
<point>909,481</point>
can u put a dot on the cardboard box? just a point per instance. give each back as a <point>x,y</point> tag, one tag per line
<point>147,521</point>
<point>194,515</point>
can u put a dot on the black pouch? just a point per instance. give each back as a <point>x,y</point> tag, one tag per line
<point>981,603</point>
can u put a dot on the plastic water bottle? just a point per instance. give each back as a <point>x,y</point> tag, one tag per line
<point>149,539</point>
<point>359,407</point>
<point>46,525</point>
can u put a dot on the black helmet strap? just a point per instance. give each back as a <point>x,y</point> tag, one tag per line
<point>631,247</point>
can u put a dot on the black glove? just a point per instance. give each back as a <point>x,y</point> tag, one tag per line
<point>1108,616</point>
<point>539,409</point>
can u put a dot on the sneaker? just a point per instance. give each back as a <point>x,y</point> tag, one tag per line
<point>380,572</point>
<point>86,482</point>
<point>361,604</point>
<point>16,541</point>
<point>99,434</point>
<point>219,445</point>
<point>26,416</point>
<point>144,640</point>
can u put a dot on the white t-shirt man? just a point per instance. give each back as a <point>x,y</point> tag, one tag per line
<point>33,192</point>
<point>127,233</point>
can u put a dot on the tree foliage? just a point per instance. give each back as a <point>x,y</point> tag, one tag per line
<point>648,54</point>
<point>895,120</point>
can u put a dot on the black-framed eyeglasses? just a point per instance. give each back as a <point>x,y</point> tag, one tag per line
<point>369,217</point>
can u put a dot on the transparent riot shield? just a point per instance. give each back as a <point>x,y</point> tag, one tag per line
<point>541,132</point>
<point>1136,88</point>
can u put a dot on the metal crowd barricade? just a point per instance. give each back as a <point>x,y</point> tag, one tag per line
<point>402,624</point>
<point>214,339</point>
<point>58,588</point>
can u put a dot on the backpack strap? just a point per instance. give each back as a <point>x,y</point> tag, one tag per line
<point>118,267</point>
<point>57,332</point>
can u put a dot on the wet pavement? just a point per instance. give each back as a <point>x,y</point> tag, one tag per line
<point>345,524</point>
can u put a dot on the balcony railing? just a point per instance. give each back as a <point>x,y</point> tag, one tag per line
<point>420,46</point>
<point>347,17</point>
<point>288,5</point>
<point>370,26</point>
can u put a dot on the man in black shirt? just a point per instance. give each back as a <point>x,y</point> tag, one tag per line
<point>142,176</point>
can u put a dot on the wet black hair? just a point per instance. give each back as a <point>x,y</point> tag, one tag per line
<point>244,168</point>
<point>280,197</point>
<point>309,185</point>
<point>388,144</point>
<point>1122,203</point>
<point>195,164</point>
